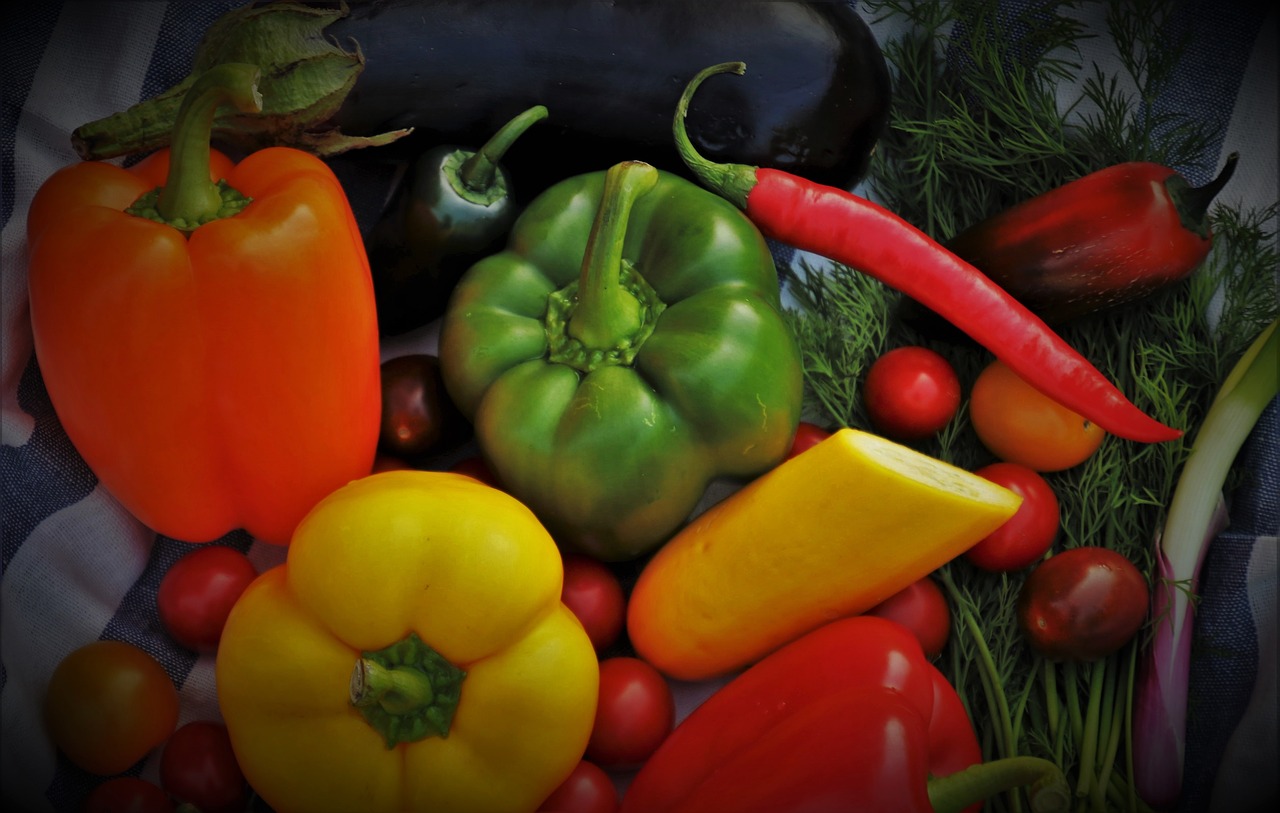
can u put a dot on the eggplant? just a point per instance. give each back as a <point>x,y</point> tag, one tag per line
<point>412,74</point>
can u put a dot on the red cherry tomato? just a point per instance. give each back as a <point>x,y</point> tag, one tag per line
<point>198,767</point>
<point>910,393</point>
<point>1019,424</point>
<point>198,591</point>
<point>108,705</point>
<point>1082,604</point>
<point>634,714</point>
<point>807,436</point>
<point>475,467</point>
<point>1026,536</point>
<point>595,595</point>
<point>922,608</point>
<point>386,462</point>
<point>588,789</point>
<point>127,794</point>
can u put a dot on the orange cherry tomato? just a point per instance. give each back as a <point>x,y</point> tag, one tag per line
<point>108,705</point>
<point>1019,424</point>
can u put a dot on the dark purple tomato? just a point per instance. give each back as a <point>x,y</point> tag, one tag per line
<point>1082,604</point>
<point>418,417</point>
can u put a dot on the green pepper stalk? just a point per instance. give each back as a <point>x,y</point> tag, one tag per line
<point>607,315</point>
<point>456,206</point>
<point>460,200</point>
<point>189,198</point>
<point>627,347</point>
<point>406,691</point>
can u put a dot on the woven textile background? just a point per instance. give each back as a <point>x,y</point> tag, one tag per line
<point>77,567</point>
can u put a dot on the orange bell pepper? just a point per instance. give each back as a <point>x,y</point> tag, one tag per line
<point>218,369</point>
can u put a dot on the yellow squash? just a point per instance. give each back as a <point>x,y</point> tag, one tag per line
<point>829,533</point>
<point>411,654</point>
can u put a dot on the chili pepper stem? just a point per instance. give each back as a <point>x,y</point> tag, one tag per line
<point>1049,791</point>
<point>825,220</point>
<point>477,172</point>
<point>189,196</point>
<point>732,181</point>
<point>607,313</point>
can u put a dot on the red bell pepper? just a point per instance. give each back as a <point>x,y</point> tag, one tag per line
<point>219,368</point>
<point>851,716</point>
<point>1102,240</point>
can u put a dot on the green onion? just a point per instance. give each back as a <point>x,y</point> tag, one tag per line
<point>1194,518</point>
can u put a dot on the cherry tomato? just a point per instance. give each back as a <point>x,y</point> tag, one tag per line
<point>1019,424</point>
<point>386,462</point>
<point>595,595</point>
<point>475,467</point>
<point>199,768</point>
<point>807,436</point>
<point>127,794</point>
<point>1082,604</point>
<point>198,591</point>
<point>108,705</point>
<point>634,713</point>
<point>922,608</point>
<point>418,417</point>
<point>1026,536</point>
<point>588,789</point>
<point>910,393</point>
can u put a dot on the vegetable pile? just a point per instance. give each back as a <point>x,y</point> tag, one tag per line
<point>927,540</point>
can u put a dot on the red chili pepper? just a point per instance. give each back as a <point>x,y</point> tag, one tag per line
<point>851,716</point>
<point>1110,237</point>
<point>854,231</point>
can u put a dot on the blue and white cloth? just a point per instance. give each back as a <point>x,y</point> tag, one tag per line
<point>77,567</point>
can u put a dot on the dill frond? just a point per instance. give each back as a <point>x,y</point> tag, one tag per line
<point>978,124</point>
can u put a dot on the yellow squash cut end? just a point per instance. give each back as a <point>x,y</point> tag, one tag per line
<point>829,533</point>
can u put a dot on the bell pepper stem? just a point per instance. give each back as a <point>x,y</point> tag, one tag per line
<point>1048,790</point>
<point>189,196</point>
<point>407,691</point>
<point>1193,201</point>
<point>397,690</point>
<point>607,313</point>
<point>477,171</point>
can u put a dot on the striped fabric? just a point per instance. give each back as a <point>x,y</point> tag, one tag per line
<point>77,567</point>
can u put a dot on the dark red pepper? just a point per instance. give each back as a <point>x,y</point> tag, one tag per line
<point>851,716</point>
<point>854,231</point>
<point>1108,238</point>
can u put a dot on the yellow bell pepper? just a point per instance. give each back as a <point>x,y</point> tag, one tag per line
<point>412,653</point>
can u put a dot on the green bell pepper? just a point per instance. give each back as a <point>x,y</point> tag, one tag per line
<point>625,349</point>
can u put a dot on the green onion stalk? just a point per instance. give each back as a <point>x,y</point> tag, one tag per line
<point>1195,516</point>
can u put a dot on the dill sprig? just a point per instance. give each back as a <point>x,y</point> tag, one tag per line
<point>984,116</point>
